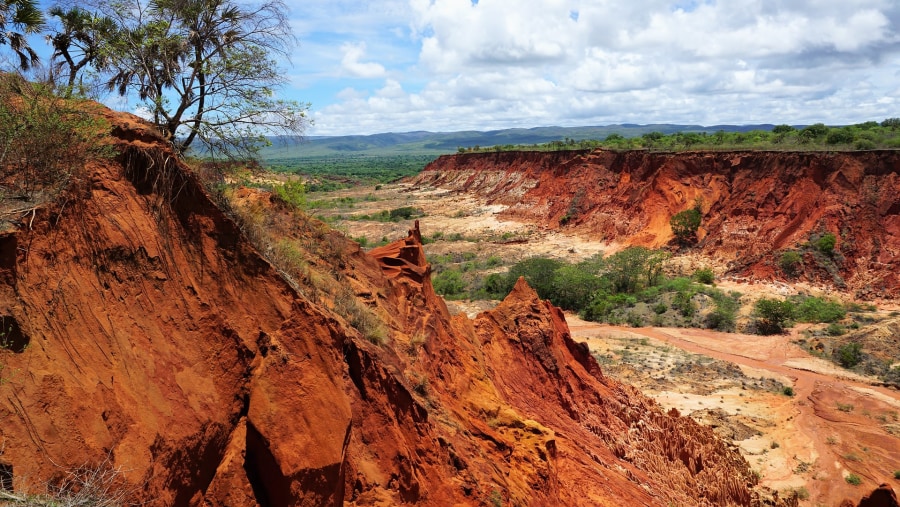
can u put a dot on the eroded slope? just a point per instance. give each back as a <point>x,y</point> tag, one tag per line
<point>150,332</point>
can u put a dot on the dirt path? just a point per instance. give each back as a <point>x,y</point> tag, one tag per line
<point>836,424</point>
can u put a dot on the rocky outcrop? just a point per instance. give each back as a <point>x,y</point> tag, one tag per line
<point>153,337</point>
<point>755,204</point>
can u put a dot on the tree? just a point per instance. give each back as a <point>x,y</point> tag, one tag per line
<point>633,268</point>
<point>539,272</point>
<point>18,18</point>
<point>686,223</point>
<point>78,41</point>
<point>772,315</point>
<point>204,69</point>
<point>782,129</point>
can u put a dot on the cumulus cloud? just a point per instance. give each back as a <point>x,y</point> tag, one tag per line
<point>494,64</point>
<point>352,64</point>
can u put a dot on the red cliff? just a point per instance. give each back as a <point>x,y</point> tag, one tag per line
<point>755,204</point>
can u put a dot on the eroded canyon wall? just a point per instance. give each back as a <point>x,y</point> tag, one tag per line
<point>755,204</point>
<point>156,338</point>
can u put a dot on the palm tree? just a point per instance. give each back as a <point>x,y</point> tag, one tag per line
<point>80,40</point>
<point>18,18</point>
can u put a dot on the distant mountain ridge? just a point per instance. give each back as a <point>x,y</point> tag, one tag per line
<point>437,143</point>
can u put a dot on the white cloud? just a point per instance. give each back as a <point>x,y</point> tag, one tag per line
<point>352,64</point>
<point>535,62</point>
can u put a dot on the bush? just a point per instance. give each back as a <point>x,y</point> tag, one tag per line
<point>634,268</point>
<point>826,243</point>
<point>449,283</point>
<point>789,262</point>
<point>853,479</point>
<point>835,330</point>
<point>840,136</point>
<point>684,304</point>
<point>685,225</point>
<point>404,213</point>
<point>538,272</point>
<point>705,276</point>
<point>849,354</point>
<point>602,305</point>
<point>817,310</point>
<point>772,315</point>
<point>292,192</point>
<point>787,391</point>
<point>865,144</point>
<point>46,140</point>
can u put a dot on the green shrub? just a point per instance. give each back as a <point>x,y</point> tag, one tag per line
<point>660,308</point>
<point>404,213</point>
<point>835,330</point>
<point>790,262</point>
<point>602,305</point>
<point>292,192</point>
<point>705,276</point>
<point>772,315</point>
<point>840,136</point>
<point>849,354</point>
<point>865,144</point>
<point>495,286</point>
<point>787,391</point>
<point>685,225</point>
<point>684,304</point>
<point>896,474</point>
<point>853,479</point>
<point>817,310</point>
<point>539,272</point>
<point>449,283</point>
<point>46,140</point>
<point>826,243</point>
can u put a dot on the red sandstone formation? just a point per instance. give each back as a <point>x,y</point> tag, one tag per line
<point>150,333</point>
<point>755,204</point>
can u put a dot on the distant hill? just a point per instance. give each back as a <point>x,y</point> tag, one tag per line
<point>437,143</point>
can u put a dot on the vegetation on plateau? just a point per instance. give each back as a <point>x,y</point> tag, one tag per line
<point>869,135</point>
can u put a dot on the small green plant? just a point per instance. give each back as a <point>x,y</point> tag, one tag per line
<point>897,474</point>
<point>826,243</point>
<point>831,440</point>
<point>292,192</point>
<point>774,445</point>
<point>705,276</point>
<point>789,262</point>
<point>849,354</point>
<point>845,407</point>
<point>835,329</point>
<point>496,498</point>
<point>787,391</point>
<point>802,493</point>
<point>853,479</point>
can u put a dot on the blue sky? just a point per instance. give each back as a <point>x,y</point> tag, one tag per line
<point>443,65</point>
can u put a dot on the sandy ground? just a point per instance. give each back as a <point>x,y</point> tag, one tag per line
<point>835,424</point>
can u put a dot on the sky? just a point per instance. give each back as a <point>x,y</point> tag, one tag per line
<point>445,65</point>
